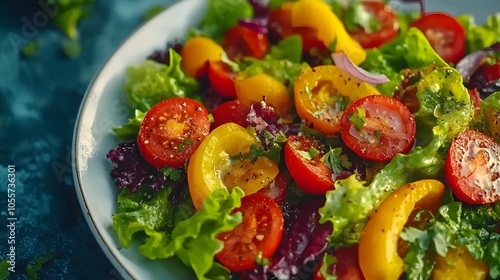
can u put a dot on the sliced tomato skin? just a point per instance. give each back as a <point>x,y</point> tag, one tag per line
<point>230,111</point>
<point>389,30</point>
<point>472,168</point>
<point>347,265</point>
<point>491,72</point>
<point>397,128</point>
<point>221,78</point>
<point>445,34</point>
<point>243,41</point>
<point>312,176</point>
<point>260,232</point>
<point>171,131</point>
<point>277,189</point>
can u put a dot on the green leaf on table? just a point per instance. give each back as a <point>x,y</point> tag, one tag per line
<point>34,266</point>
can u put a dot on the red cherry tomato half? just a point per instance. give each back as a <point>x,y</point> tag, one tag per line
<point>259,233</point>
<point>243,41</point>
<point>445,34</point>
<point>347,265</point>
<point>311,175</point>
<point>280,25</point>
<point>171,131</point>
<point>378,127</point>
<point>221,78</point>
<point>230,111</point>
<point>277,188</point>
<point>388,31</point>
<point>472,168</point>
<point>491,72</point>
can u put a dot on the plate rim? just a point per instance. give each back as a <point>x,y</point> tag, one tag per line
<point>111,254</point>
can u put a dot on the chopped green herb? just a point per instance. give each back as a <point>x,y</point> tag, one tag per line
<point>313,151</point>
<point>173,173</point>
<point>260,260</point>
<point>308,91</point>
<point>4,269</point>
<point>358,118</point>
<point>71,47</point>
<point>34,266</point>
<point>31,48</point>
<point>211,118</point>
<point>185,142</point>
<point>377,134</point>
<point>335,160</point>
<point>341,101</point>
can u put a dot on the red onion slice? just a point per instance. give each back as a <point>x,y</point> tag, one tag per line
<point>471,62</point>
<point>342,61</point>
<point>258,25</point>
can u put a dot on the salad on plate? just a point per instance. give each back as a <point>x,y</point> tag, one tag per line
<point>315,139</point>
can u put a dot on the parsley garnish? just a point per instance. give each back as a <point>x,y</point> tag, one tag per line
<point>173,173</point>
<point>377,134</point>
<point>34,266</point>
<point>335,160</point>
<point>185,142</point>
<point>358,118</point>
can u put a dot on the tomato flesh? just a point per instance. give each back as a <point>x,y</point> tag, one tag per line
<point>346,267</point>
<point>171,131</point>
<point>259,233</point>
<point>243,41</point>
<point>472,168</point>
<point>277,189</point>
<point>311,175</point>
<point>386,129</point>
<point>221,78</point>
<point>388,31</point>
<point>230,111</point>
<point>445,34</point>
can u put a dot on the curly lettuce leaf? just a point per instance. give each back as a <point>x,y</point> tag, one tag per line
<point>478,37</point>
<point>454,226</point>
<point>221,15</point>
<point>289,48</point>
<point>351,202</point>
<point>150,82</point>
<point>443,100</point>
<point>490,103</point>
<point>400,54</point>
<point>130,129</point>
<point>154,216</point>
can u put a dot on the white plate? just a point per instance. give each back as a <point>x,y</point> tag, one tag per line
<point>105,106</point>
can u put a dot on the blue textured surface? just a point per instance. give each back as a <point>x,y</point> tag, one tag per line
<point>39,101</point>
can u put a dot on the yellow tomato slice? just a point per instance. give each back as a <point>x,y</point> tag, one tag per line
<point>195,54</point>
<point>318,15</point>
<point>211,166</point>
<point>378,244</point>
<point>322,94</point>
<point>252,90</point>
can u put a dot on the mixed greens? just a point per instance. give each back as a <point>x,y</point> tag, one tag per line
<point>158,204</point>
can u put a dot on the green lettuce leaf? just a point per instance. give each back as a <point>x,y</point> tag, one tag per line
<point>284,71</point>
<point>221,15</point>
<point>455,225</point>
<point>399,54</point>
<point>351,202</point>
<point>130,129</point>
<point>150,82</point>
<point>492,102</point>
<point>479,37</point>
<point>155,217</point>
<point>289,49</point>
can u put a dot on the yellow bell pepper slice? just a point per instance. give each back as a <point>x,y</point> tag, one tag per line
<point>459,264</point>
<point>251,90</point>
<point>378,245</point>
<point>196,52</point>
<point>318,15</point>
<point>211,166</point>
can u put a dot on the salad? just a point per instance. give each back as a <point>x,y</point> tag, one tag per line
<point>314,139</point>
